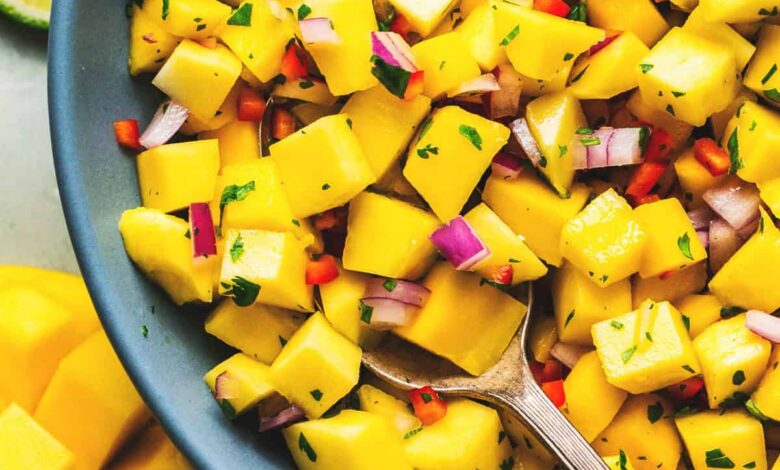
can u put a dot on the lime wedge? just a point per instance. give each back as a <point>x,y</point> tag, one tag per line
<point>34,13</point>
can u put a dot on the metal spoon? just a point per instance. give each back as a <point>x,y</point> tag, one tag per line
<point>508,384</point>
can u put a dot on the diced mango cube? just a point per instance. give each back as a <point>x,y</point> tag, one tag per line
<point>464,320</point>
<point>533,210</point>
<point>227,112</point>
<point>766,398</point>
<point>757,135</point>
<point>716,439</point>
<point>150,45</point>
<point>336,166</point>
<point>25,445</point>
<point>265,267</point>
<point>737,11</point>
<point>158,244</point>
<point>172,176</point>
<point>341,306</point>
<point>580,303</point>
<point>450,156</point>
<point>194,19</point>
<point>519,26</point>
<point>648,444</point>
<point>605,240</point>
<point>611,71</point>
<point>245,381</point>
<point>637,16</point>
<point>238,142</point>
<point>481,36</point>
<point>423,16</point>
<point>317,367</point>
<point>469,436</point>
<point>722,34</point>
<point>689,77</point>
<point>770,195</point>
<point>380,403</point>
<point>199,78</point>
<point>591,401</point>
<point>694,178</point>
<point>384,124</point>
<point>618,462</point>
<point>647,349</point>
<point>672,287</point>
<point>536,87</point>
<point>543,336</point>
<point>732,358</point>
<point>680,130</point>
<point>353,440</point>
<point>761,75</point>
<point>720,120</point>
<point>93,413</point>
<point>152,450</point>
<point>259,331</point>
<point>445,63</point>
<point>699,311</point>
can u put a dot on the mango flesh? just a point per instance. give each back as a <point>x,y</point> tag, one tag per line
<point>177,17</point>
<point>737,436</point>
<point>341,306</point>
<point>701,310</point>
<point>694,178</point>
<point>609,72</point>
<point>736,11</point>
<point>146,56</point>
<point>760,76</point>
<point>245,379</point>
<point>227,112</point>
<point>24,444</point>
<point>647,112</point>
<point>721,34</point>
<point>445,65</point>
<point>238,142</point>
<point>424,16</point>
<point>481,36</point>
<point>637,16</point>
<point>378,402</point>
<point>757,133</point>
<point>152,450</point>
<point>672,287</point>
<point>767,396</point>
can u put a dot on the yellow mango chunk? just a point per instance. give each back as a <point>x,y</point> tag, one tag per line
<point>674,287</point>
<point>353,440</point>
<point>723,440</point>
<point>152,450</point>
<point>770,195</point>
<point>94,413</point>
<point>721,119</point>
<point>680,130</point>
<point>384,124</point>
<point>579,303</point>
<point>341,306</point>
<point>469,436</point>
<point>336,166</point>
<point>605,240</point>
<point>505,247</point>
<point>536,87</point>
<point>245,380</point>
<point>533,210</point>
<point>238,142</point>
<point>227,113</point>
<point>178,16</point>
<point>172,176</point>
<point>388,237</point>
<point>619,462</point>
<point>464,320</point>
<point>554,120</point>
<point>699,311</point>
<point>591,402</point>
<point>648,445</point>
<point>307,113</point>
<point>380,403</point>
<point>722,34</point>
<point>737,11</point>
<point>518,26</point>
<point>766,398</point>
<point>757,135</point>
<point>688,77</point>
<point>307,90</point>
<point>423,16</point>
<point>25,445</point>
<point>732,358</point>
<point>317,367</point>
<point>647,349</point>
<point>543,336</point>
<point>445,63</point>
<point>637,16</point>
<point>761,75</point>
<point>158,245</point>
<point>274,262</point>
<point>199,78</point>
<point>346,65</point>
<point>610,72</point>
<point>150,45</point>
<point>694,178</point>
<point>259,331</point>
<point>481,36</point>
<point>450,156</point>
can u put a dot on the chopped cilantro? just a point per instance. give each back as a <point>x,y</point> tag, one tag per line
<point>646,67</point>
<point>316,394</point>
<point>296,222</point>
<point>412,433</point>
<point>145,330</point>
<point>305,84</point>
<point>242,16</point>
<point>234,193</point>
<point>750,465</point>
<point>390,285</point>
<point>765,12</point>
<point>304,446</point>
<point>237,249</point>
<point>426,397</point>
<point>512,260</point>
<point>628,353</point>
<point>579,75</point>
<point>670,109</point>
<point>325,187</point>
<point>187,235</point>
<point>426,126</point>
<point>738,378</point>
<point>244,292</point>
<point>689,368</point>
<point>761,225</point>
<point>349,123</point>
<point>442,64</point>
<point>590,141</point>
<point>584,131</point>
<point>684,244</point>
<point>715,458</point>
<point>282,341</point>
<point>655,412</point>
<point>228,409</point>
<point>472,135</point>
<point>428,149</point>
<point>616,325</point>
<point>511,36</point>
<point>569,318</point>
<point>769,74</point>
<point>394,78</point>
<point>366,312</point>
<point>568,56</point>
<point>678,94</point>
<point>649,336</point>
<point>623,460</point>
<point>753,410</point>
<point>603,278</point>
<point>753,126</point>
<point>562,149</point>
<point>165,9</point>
<point>687,322</point>
<point>507,464</point>
<point>579,12</point>
<point>728,312</point>
<point>773,95</point>
<point>303,11</point>
<point>542,161</point>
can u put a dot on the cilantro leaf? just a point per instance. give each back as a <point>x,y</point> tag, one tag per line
<point>472,135</point>
<point>242,16</point>
<point>684,244</point>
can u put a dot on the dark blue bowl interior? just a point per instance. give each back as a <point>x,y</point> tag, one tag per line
<point>89,88</point>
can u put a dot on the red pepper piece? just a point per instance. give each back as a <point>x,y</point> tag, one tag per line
<point>401,26</point>
<point>644,179</point>
<point>647,199</point>
<point>251,106</point>
<point>659,146</point>
<point>415,85</point>
<point>428,406</point>
<point>553,370</point>
<point>711,156</point>
<point>283,123</point>
<point>294,62</point>
<point>501,274</point>
<point>555,392</point>
<point>321,271</point>
<point>553,7</point>
<point>537,370</point>
<point>687,389</point>
<point>127,134</point>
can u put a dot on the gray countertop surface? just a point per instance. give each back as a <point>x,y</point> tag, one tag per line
<point>32,225</point>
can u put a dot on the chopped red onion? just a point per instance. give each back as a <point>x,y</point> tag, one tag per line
<point>505,102</point>
<point>701,218</point>
<point>568,354</point>
<point>505,166</point>
<point>522,133</point>
<point>167,121</point>
<point>396,289</point>
<point>625,146</point>
<point>704,237</point>
<point>735,201</point>
<point>602,44</point>
<point>291,414</point>
<point>224,387</point>
<point>318,31</point>
<point>477,86</point>
<point>748,230</point>
<point>607,147</point>
<point>459,244</point>
<point>391,48</point>
<point>764,325</point>
<point>597,145</point>
<point>202,234</point>
<point>724,242</point>
<point>387,314</point>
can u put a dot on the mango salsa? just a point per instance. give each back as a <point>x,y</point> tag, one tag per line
<point>378,402</point>
<point>694,178</point>
<point>723,440</point>
<point>24,444</point>
<point>639,17</point>
<point>672,287</point>
<point>609,72</point>
<point>244,379</point>
<point>341,306</point>
<point>444,63</point>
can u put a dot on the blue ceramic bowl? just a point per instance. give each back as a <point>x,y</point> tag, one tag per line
<point>89,88</point>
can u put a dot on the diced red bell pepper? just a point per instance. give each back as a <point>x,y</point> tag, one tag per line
<point>415,85</point>
<point>501,274</point>
<point>537,370</point>
<point>659,145</point>
<point>711,156</point>
<point>687,389</point>
<point>428,406</point>
<point>401,26</point>
<point>644,179</point>
<point>127,134</point>
<point>251,105</point>
<point>294,62</point>
<point>282,124</point>
<point>553,7</point>
<point>333,219</point>
<point>553,370</point>
<point>647,199</point>
<point>555,392</point>
<point>321,271</point>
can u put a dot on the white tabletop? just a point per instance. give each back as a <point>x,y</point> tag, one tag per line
<point>32,226</point>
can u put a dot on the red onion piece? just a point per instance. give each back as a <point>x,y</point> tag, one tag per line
<point>291,414</point>
<point>568,354</point>
<point>459,244</point>
<point>167,121</point>
<point>505,166</point>
<point>724,242</point>
<point>579,155</point>
<point>505,102</point>
<point>607,147</point>
<point>764,325</point>
<point>522,133</point>
<point>704,237</point>
<point>391,48</point>
<point>624,146</point>
<point>748,230</point>
<point>477,86</point>
<point>318,31</point>
<point>388,314</point>
<point>701,218</point>
<point>224,387</point>
<point>597,145</point>
<point>602,44</point>
<point>202,234</point>
<point>396,289</point>
<point>735,201</point>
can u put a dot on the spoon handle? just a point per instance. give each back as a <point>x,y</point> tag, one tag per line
<point>541,417</point>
